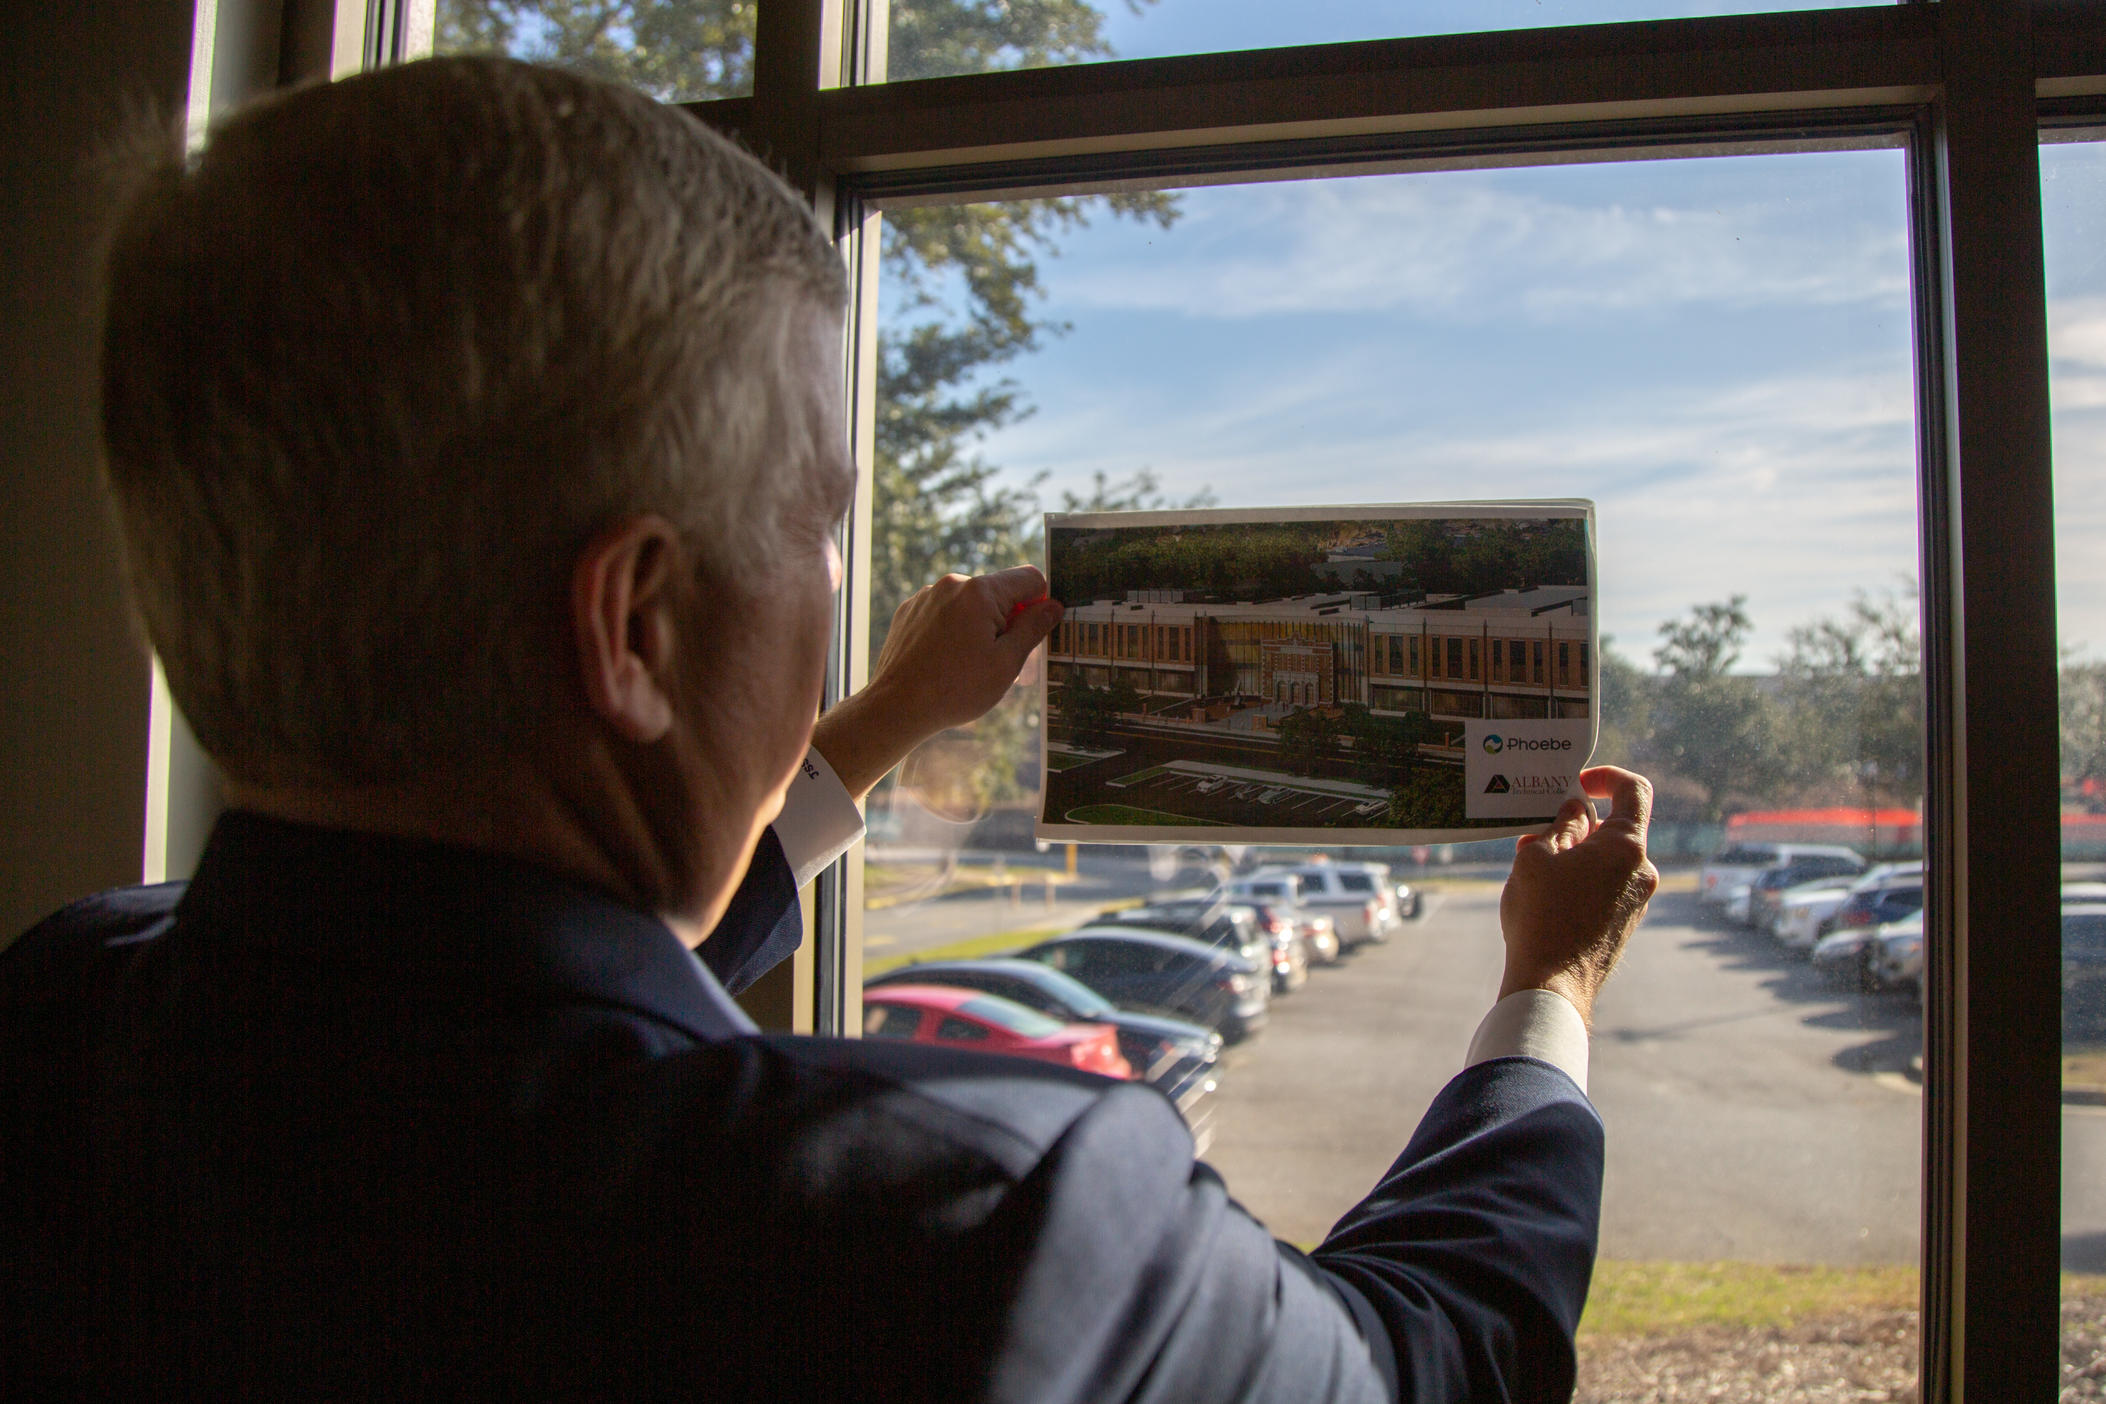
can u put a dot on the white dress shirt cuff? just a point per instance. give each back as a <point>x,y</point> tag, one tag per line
<point>819,821</point>
<point>1534,1024</point>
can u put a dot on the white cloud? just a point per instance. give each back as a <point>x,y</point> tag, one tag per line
<point>1471,247</point>
<point>2077,334</point>
<point>1795,491</point>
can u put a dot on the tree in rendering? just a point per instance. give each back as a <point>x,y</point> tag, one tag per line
<point>1428,797</point>
<point>1309,739</point>
<point>1084,710</point>
<point>1384,748</point>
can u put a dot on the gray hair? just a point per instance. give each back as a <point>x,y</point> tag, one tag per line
<point>382,359</point>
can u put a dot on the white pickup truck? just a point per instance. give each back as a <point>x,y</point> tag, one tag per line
<point>1359,898</point>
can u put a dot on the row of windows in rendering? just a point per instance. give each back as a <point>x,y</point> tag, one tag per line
<point>1469,658</point>
<point>1527,662</point>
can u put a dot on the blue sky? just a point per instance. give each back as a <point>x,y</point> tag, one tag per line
<point>1205,26</point>
<point>2073,210</point>
<point>1715,351</point>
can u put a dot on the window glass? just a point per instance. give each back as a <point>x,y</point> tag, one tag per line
<point>1717,352</point>
<point>932,38</point>
<point>1067,998</point>
<point>675,50</point>
<point>890,1021</point>
<point>956,1030</point>
<point>1089,960</point>
<point>1013,1017</point>
<point>2073,210</point>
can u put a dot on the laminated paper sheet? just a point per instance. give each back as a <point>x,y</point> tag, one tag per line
<point>1398,674</point>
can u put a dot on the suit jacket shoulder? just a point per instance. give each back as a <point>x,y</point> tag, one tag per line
<point>360,1119</point>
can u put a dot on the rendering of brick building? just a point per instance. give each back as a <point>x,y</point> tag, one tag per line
<point>1509,654</point>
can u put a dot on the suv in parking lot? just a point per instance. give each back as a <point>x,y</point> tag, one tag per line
<point>1890,899</point>
<point>1231,926</point>
<point>1766,890</point>
<point>1736,866</point>
<point>1277,897</point>
<point>1172,975</point>
<point>1358,897</point>
<point>1804,909</point>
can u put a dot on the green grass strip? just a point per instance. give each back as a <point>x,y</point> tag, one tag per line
<point>1646,1298</point>
<point>1001,943</point>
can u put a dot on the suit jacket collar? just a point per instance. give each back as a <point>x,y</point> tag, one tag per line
<point>444,921</point>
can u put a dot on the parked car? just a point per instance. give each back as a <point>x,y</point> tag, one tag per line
<point>2084,971</point>
<point>1164,974</point>
<point>1847,956</point>
<point>1281,893</point>
<point>1359,898</point>
<point>990,1024</point>
<point>1766,888</point>
<point>1291,954</point>
<point>1805,907</point>
<point>1801,909</point>
<point>1229,925</point>
<point>1896,956</point>
<point>1174,1054</point>
<point>1889,899</point>
<point>1738,864</point>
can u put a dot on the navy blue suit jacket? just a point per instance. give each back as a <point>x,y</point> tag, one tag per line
<point>361,1116</point>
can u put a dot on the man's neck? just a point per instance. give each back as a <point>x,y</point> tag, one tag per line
<point>516,811</point>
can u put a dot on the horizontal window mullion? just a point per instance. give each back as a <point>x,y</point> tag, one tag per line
<point>1245,163</point>
<point>1598,73</point>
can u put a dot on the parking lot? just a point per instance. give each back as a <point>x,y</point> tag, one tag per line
<point>1187,787</point>
<point>1754,1111</point>
<point>1216,780</point>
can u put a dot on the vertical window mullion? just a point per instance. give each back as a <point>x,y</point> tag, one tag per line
<point>1992,1116</point>
<point>799,48</point>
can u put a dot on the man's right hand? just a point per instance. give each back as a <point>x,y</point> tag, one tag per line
<point>954,649</point>
<point>1578,890</point>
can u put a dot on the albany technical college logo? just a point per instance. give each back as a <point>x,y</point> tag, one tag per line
<point>1521,767</point>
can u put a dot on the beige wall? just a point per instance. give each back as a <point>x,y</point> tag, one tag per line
<point>74,682</point>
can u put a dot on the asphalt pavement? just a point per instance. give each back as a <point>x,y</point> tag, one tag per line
<point>1754,1110</point>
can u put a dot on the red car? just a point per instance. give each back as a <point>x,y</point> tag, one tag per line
<point>971,1019</point>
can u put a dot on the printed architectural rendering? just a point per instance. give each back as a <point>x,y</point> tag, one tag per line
<point>1304,674</point>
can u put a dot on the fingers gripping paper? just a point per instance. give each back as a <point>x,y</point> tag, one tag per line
<point>1397,674</point>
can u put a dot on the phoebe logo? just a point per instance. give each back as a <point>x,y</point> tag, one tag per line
<point>1494,744</point>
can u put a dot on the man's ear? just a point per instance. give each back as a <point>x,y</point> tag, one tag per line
<point>624,592</point>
